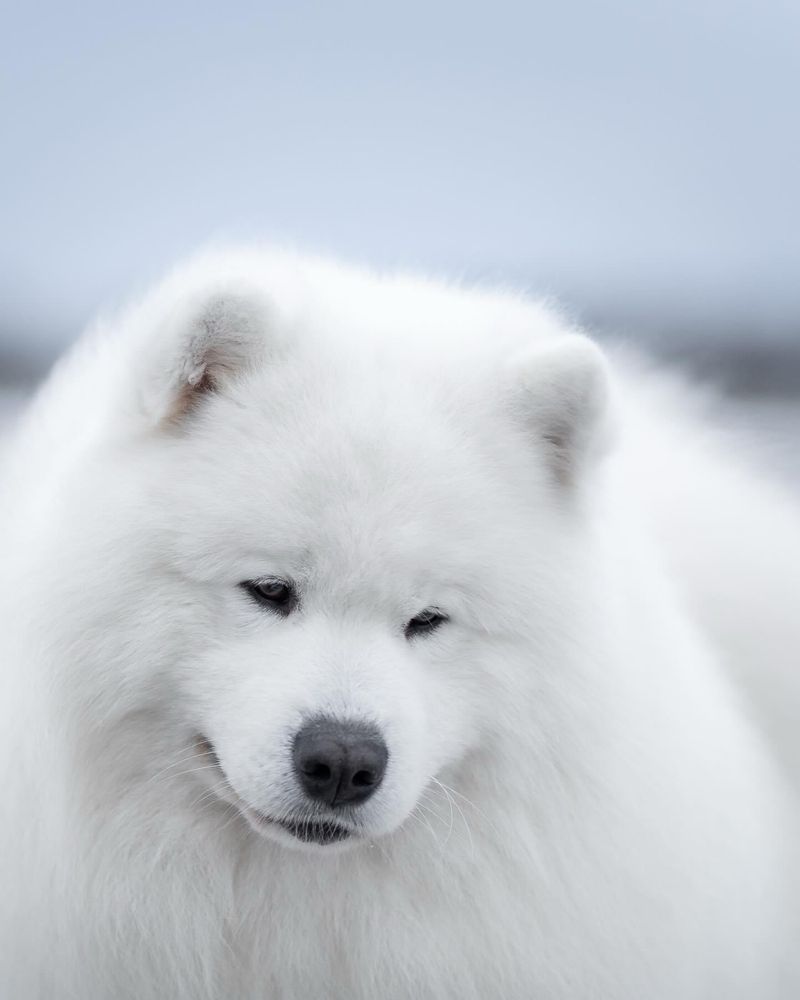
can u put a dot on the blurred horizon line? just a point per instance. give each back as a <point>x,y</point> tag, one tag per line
<point>739,361</point>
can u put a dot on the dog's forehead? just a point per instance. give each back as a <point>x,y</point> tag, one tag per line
<point>352,485</point>
<point>360,484</point>
<point>335,438</point>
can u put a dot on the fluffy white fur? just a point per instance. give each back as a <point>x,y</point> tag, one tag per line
<point>592,784</point>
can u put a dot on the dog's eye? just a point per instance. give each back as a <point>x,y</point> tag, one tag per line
<point>272,592</point>
<point>423,623</point>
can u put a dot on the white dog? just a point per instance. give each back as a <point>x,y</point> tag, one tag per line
<point>368,638</point>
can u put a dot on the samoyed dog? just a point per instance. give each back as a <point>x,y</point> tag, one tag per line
<point>364,637</point>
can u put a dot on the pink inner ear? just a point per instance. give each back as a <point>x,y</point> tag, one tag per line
<point>205,384</point>
<point>190,394</point>
<point>225,337</point>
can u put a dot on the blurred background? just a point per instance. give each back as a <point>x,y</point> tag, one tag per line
<point>637,160</point>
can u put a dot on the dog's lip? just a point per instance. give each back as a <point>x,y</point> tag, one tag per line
<point>308,830</point>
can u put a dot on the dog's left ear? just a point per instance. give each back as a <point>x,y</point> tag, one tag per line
<point>201,347</point>
<point>562,394</point>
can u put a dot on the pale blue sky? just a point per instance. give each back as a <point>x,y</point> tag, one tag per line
<point>640,159</point>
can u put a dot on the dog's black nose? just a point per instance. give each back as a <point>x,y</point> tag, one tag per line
<point>339,763</point>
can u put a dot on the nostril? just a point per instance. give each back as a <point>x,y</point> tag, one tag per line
<point>317,770</point>
<point>363,779</point>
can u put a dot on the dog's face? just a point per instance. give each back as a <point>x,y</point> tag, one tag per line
<point>350,572</point>
<point>354,568</point>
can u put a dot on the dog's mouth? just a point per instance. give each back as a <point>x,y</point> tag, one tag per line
<point>306,830</point>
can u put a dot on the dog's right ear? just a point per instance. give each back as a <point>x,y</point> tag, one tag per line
<point>562,393</point>
<point>201,347</point>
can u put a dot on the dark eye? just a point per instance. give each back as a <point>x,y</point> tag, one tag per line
<point>423,623</point>
<point>273,593</point>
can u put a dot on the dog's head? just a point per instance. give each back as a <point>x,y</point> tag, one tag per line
<point>342,560</point>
